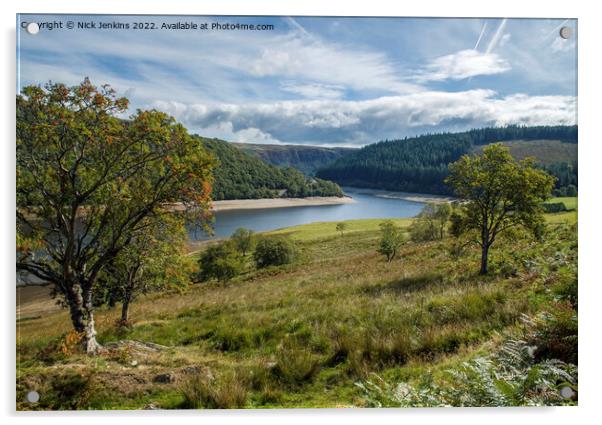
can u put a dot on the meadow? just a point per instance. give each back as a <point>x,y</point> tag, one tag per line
<point>303,334</point>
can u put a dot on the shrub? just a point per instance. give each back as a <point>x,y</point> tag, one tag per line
<point>554,207</point>
<point>341,227</point>
<point>220,262</point>
<point>510,377</point>
<point>244,240</point>
<point>227,391</point>
<point>555,334</point>
<point>61,348</point>
<point>391,239</point>
<point>69,390</point>
<point>431,223</point>
<point>274,252</point>
<point>568,290</point>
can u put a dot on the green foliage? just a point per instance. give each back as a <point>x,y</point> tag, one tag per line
<point>431,223</point>
<point>419,164</point>
<point>554,333</point>
<point>498,193</point>
<point>553,207</point>
<point>242,176</point>
<point>571,190</point>
<point>510,377</point>
<point>87,181</point>
<point>274,252</point>
<point>220,261</point>
<point>391,240</point>
<point>244,240</point>
<point>154,260</point>
<point>341,227</point>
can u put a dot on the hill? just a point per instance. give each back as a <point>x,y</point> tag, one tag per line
<point>307,159</point>
<point>243,176</point>
<point>547,152</point>
<point>303,334</point>
<point>419,164</point>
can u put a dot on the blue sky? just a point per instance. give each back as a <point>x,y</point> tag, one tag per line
<point>321,81</point>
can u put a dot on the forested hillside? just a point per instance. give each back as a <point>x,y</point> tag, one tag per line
<point>242,176</point>
<point>307,159</point>
<point>419,164</point>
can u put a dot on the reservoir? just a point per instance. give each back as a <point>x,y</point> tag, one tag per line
<point>368,204</point>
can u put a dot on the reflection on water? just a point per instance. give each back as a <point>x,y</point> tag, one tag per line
<point>367,205</point>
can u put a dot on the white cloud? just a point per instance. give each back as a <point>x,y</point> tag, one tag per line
<point>294,56</point>
<point>339,122</point>
<point>463,64</point>
<point>314,90</point>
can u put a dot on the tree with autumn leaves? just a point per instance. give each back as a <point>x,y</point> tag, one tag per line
<point>90,184</point>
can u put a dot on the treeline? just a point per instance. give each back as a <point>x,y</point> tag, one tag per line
<point>419,164</point>
<point>566,177</point>
<point>242,176</point>
<point>485,136</point>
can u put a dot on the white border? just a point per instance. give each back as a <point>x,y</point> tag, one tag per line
<point>590,157</point>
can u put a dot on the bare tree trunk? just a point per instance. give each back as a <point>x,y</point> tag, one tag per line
<point>82,317</point>
<point>484,259</point>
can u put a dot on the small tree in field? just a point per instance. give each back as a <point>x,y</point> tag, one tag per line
<point>431,223</point>
<point>244,240</point>
<point>499,193</point>
<point>154,260</point>
<point>341,227</point>
<point>88,182</point>
<point>221,262</point>
<point>274,252</point>
<point>391,240</point>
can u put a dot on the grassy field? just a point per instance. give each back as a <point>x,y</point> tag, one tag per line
<point>569,216</point>
<point>303,334</point>
<point>316,231</point>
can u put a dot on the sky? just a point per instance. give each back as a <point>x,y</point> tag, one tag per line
<point>317,80</point>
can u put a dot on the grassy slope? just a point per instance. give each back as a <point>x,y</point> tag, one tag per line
<point>546,151</point>
<point>564,217</point>
<point>301,335</point>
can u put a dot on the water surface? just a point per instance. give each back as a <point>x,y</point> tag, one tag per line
<point>367,205</point>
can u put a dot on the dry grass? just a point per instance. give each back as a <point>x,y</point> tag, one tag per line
<point>301,334</point>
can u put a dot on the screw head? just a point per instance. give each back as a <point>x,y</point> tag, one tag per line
<point>32,397</point>
<point>32,28</point>
<point>565,32</point>
<point>567,392</point>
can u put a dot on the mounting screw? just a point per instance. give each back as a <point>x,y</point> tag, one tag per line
<point>565,32</point>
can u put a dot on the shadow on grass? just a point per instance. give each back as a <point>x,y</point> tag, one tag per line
<point>407,284</point>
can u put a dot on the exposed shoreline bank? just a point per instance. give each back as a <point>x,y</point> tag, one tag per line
<point>252,204</point>
<point>406,196</point>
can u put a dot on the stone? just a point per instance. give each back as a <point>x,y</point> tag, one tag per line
<point>164,378</point>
